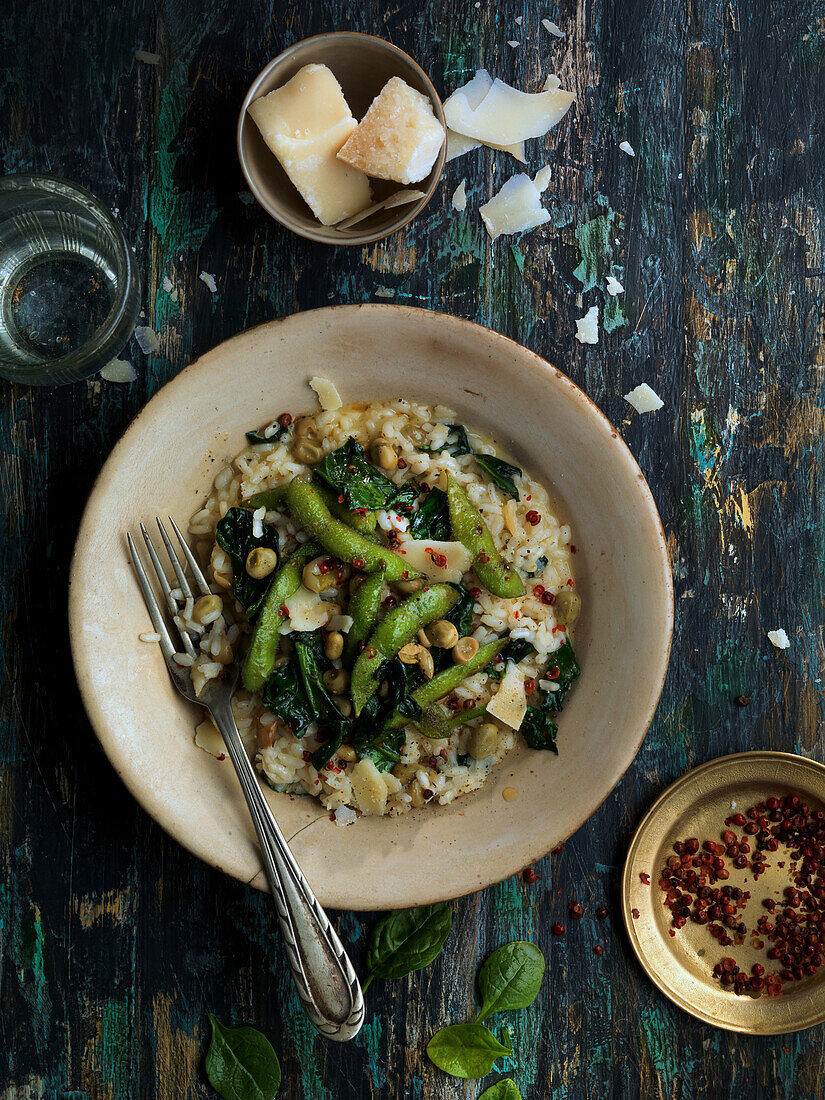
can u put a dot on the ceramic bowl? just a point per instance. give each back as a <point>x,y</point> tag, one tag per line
<point>165,464</point>
<point>362,65</point>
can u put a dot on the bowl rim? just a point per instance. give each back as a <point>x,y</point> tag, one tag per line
<point>532,851</point>
<point>358,239</point>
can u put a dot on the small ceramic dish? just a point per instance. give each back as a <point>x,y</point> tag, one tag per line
<point>362,65</point>
<point>165,464</point>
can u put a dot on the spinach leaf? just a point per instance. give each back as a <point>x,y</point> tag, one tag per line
<point>541,565</point>
<point>515,650</point>
<point>270,434</point>
<point>347,471</point>
<point>241,1064</point>
<point>466,1050</point>
<point>456,444</point>
<point>309,649</point>
<point>325,751</point>
<point>510,978</point>
<point>234,535</point>
<point>538,728</point>
<point>461,613</point>
<point>371,736</point>
<point>501,473</point>
<point>295,692</point>
<point>432,519</point>
<point>566,669</point>
<point>407,940</point>
<point>505,1089</point>
<point>405,497</point>
<point>284,696</point>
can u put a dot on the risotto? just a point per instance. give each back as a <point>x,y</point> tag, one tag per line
<point>400,596</point>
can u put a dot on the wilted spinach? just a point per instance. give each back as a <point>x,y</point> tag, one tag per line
<point>538,728</point>
<point>467,1050</point>
<point>260,436</point>
<point>372,737</point>
<point>501,473</point>
<point>515,650</point>
<point>456,444</point>
<point>407,940</point>
<point>432,519</point>
<point>296,693</point>
<point>347,472</point>
<point>510,978</point>
<point>234,535</point>
<point>241,1064</point>
<point>564,663</point>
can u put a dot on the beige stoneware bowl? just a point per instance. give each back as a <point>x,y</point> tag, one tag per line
<point>363,65</point>
<point>165,463</point>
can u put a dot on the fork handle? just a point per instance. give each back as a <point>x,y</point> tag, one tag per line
<point>323,974</point>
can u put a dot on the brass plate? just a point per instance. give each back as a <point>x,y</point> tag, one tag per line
<point>697,805</point>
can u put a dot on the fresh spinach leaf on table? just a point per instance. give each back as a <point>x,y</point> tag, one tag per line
<point>467,1050</point>
<point>241,1064</point>
<point>505,1089</point>
<point>407,940</point>
<point>510,978</point>
<point>234,535</point>
<point>432,518</point>
<point>501,473</point>
<point>348,473</point>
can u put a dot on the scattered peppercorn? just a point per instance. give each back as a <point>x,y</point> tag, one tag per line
<point>742,700</point>
<point>530,875</point>
<point>601,912</point>
<point>558,929</point>
<point>575,910</point>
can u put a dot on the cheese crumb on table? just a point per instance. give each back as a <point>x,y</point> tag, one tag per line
<point>460,196</point>
<point>626,147</point>
<point>551,28</point>
<point>644,399</point>
<point>399,138</point>
<point>542,179</point>
<point>779,639</point>
<point>515,209</point>
<point>305,123</point>
<point>614,287</point>
<point>505,115</point>
<point>587,327</point>
<point>119,370</point>
<point>208,281</point>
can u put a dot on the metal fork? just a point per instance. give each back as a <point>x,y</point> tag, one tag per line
<point>323,974</point>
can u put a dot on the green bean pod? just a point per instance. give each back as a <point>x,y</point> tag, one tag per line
<point>448,680</point>
<point>309,511</point>
<point>395,630</point>
<point>271,499</point>
<point>364,607</point>
<point>260,659</point>
<point>470,529</point>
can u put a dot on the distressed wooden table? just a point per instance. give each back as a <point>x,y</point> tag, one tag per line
<point>115,942</point>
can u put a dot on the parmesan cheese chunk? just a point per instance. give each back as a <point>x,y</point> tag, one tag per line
<point>509,704</point>
<point>515,209</point>
<point>305,123</point>
<point>328,395</point>
<point>779,639</point>
<point>587,327</point>
<point>369,787</point>
<point>505,115</point>
<point>307,611</point>
<point>209,739</point>
<point>644,399</point>
<point>474,92</point>
<point>614,287</point>
<point>419,554</point>
<point>542,179</point>
<point>460,197</point>
<point>458,145</point>
<point>626,147</point>
<point>399,138</point>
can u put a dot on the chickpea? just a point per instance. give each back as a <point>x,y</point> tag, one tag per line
<point>318,574</point>
<point>443,634</point>
<point>407,588</point>
<point>304,450</point>
<point>336,680</point>
<point>343,704</point>
<point>416,794</point>
<point>405,772</point>
<point>482,741</point>
<point>260,562</point>
<point>423,639</point>
<point>280,661</point>
<point>334,645</point>
<point>222,580</point>
<point>224,655</point>
<point>206,605</point>
<point>409,653</point>
<point>464,650</point>
<point>347,753</point>
<point>425,662</point>
<point>568,605</point>
<point>384,454</point>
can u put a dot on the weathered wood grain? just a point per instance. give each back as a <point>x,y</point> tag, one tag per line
<point>114,943</point>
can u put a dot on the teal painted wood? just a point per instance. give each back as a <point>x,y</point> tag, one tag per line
<point>114,943</point>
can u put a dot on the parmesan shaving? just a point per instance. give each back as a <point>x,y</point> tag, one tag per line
<point>460,197</point>
<point>614,287</point>
<point>147,58</point>
<point>119,370</point>
<point>209,281</point>
<point>515,209</point>
<point>779,639</point>
<point>551,28</point>
<point>147,339</point>
<point>626,147</point>
<point>400,198</point>
<point>505,115</point>
<point>458,145</point>
<point>209,739</point>
<point>474,92</point>
<point>551,83</point>
<point>644,399</point>
<point>509,704</point>
<point>512,42</point>
<point>587,327</point>
<point>419,554</point>
<point>307,611</point>
<point>328,395</point>
<point>542,179</point>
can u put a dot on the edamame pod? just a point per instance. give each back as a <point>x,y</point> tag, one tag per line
<point>260,660</point>
<point>271,499</point>
<point>309,511</point>
<point>448,680</point>
<point>470,529</point>
<point>364,606</point>
<point>365,521</point>
<point>397,628</point>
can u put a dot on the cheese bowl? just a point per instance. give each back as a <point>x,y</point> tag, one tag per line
<point>362,64</point>
<point>545,422</point>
